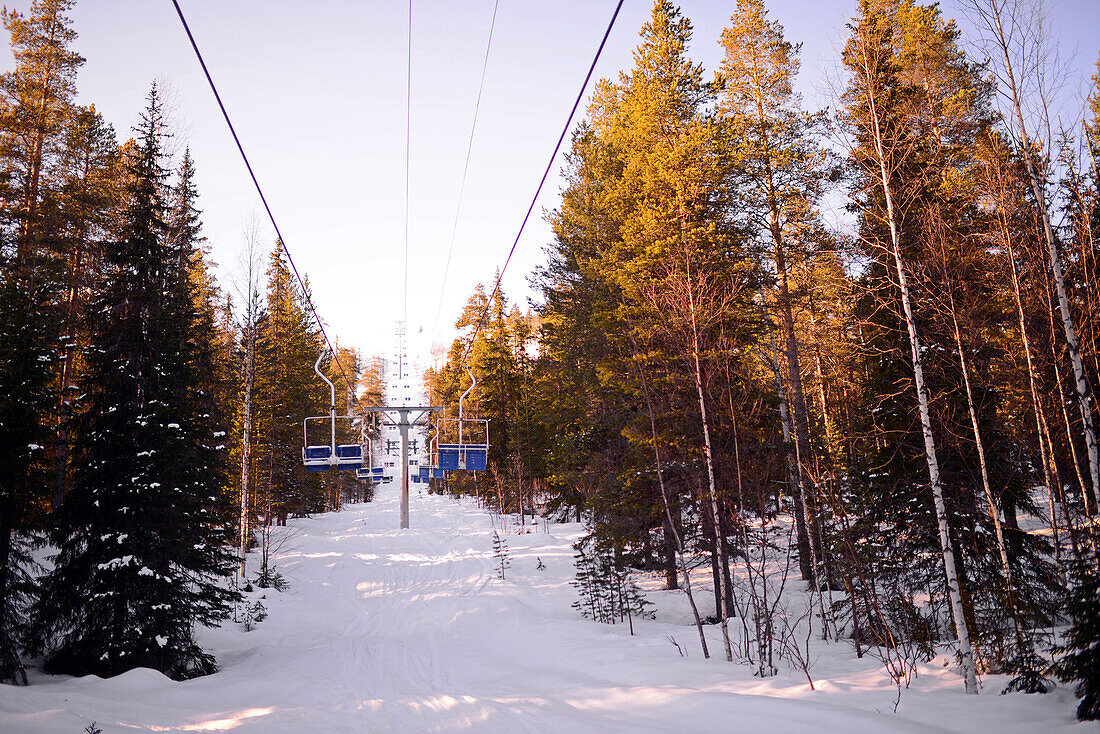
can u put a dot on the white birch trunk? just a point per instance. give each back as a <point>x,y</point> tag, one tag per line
<point>950,571</point>
<point>719,541</point>
<point>994,512</point>
<point>1084,399</point>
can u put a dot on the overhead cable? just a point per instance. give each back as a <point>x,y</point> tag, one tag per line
<point>282,243</point>
<point>465,169</point>
<point>545,174</point>
<point>408,138</point>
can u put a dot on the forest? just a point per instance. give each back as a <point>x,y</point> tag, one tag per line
<point>150,417</point>
<point>912,381</point>
<point>861,339</point>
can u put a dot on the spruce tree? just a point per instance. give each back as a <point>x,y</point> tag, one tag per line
<point>495,397</point>
<point>1080,660</point>
<point>89,170</point>
<point>140,551</point>
<point>28,336</point>
<point>209,342</point>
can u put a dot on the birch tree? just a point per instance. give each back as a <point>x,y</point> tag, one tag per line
<point>873,71</point>
<point>1014,28</point>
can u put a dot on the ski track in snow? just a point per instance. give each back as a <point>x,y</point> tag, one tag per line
<point>384,630</point>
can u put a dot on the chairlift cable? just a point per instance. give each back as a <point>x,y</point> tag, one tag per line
<point>259,190</point>
<point>408,136</point>
<point>549,166</point>
<point>465,169</point>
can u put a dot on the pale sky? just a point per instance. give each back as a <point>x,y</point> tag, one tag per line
<point>317,93</point>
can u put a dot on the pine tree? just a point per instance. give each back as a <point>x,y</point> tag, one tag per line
<point>38,97</point>
<point>500,555</point>
<point>35,101</point>
<point>678,260</point>
<point>141,553</point>
<point>493,363</point>
<point>286,391</point>
<point>344,373</point>
<point>779,165</point>
<point>607,593</point>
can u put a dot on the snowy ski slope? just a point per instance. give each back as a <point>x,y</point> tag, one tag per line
<point>385,630</point>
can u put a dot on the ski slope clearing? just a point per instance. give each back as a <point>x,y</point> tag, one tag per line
<point>384,630</point>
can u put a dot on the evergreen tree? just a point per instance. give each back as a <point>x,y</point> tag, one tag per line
<point>141,553</point>
<point>915,106</point>
<point>493,363</point>
<point>209,341</point>
<point>344,372</point>
<point>580,336</point>
<point>779,168</point>
<point>27,339</point>
<point>607,593</point>
<point>500,555</point>
<point>1080,652</point>
<point>88,196</point>
<point>35,102</point>
<point>1079,660</point>
<point>286,391</point>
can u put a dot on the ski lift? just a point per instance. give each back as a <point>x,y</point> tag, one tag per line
<point>463,455</point>
<point>373,474</point>
<point>431,470</point>
<point>368,472</point>
<point>319,457</point>
<point>427,473</point>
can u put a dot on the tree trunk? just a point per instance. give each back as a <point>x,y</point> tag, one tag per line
<point>669,549</point>
<point>807,557</point>
<point>246,446</point>
<point>950,571</point>
<point>1074,459</point>
<point>796,401</point>
<point>719,544</point>
<point>991,503</point>
<point>1036,407</point>
<point>1081,384</point>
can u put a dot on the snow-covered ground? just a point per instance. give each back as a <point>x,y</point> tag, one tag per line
<point>384,630</point>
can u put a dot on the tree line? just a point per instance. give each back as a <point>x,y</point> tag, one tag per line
<point>879,320</point>
<point>150,423</point>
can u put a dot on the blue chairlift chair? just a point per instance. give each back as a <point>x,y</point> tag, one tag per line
<point>319,457</point>
<point>465,454</point>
